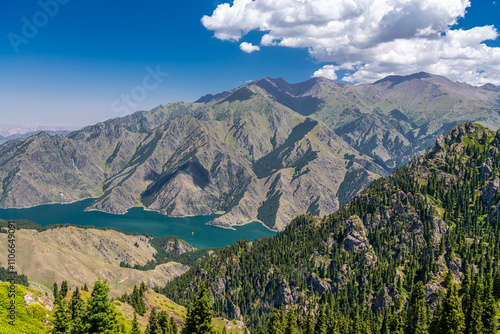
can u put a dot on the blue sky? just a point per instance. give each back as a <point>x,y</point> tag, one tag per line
<point>76,67</point>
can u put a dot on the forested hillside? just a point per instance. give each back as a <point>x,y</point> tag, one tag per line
<point>432,224</point>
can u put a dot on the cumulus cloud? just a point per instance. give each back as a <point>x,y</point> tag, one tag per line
<point>372,38</point>
<point>249,47</point>
<point>328,71</point>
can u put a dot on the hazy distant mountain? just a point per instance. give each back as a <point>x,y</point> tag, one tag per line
<point>24,135</point>
<point>268,150</point>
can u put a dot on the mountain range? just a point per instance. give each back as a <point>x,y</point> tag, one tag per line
<point>267,150</point>
<point>431,225</point>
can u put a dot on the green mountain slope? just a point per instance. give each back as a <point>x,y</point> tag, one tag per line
<point>268,150</point>
<point>431,221</point>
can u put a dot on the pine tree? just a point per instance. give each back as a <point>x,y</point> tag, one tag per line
<point>61,318</point>
<point>55,292</point>
<point>199,314</point>
<point>489,317</point>
<point>417,311</point>
<point>85,287</point>
<point>173,326</point>
<point>100,316</point>
<point>154,326</point>
<point>474,307</point>
<point>291,322</point>
<point>309,325</point>
<point>385,328</point>
<point>135,326</point>
<point>76,312</point>
<point>64,289</point>
<point>321,323</point>
<point>396,324</point>
<point>276,325</point>
<point>452,318</point>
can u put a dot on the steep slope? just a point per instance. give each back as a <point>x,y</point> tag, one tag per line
<point>431,221</point>
<point>246,155</point>
<point>268,150</point>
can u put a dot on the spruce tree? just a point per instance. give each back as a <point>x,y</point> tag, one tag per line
<point>291,323</point>
<point>474,307</point>
<point>489,317</point>
<point>64,289</point>
<point>276,325</point>
<point>173,326</point>
<point>309,325</point>
<point>452,318</point>
<point>321,323</point>
<point>154,326</point>
<point>135,326</point>
<point>396,324</point>
<point>100,316</point>
<point>61,318</point>
<point>417,311</point>
<point>199,314</point>
<point>385,328</point>
<point>55,292</point>
<point>76,312</point>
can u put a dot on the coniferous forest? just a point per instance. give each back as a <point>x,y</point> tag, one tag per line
<point>416,252</point>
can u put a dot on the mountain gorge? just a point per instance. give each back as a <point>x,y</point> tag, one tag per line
<point>268,150</point>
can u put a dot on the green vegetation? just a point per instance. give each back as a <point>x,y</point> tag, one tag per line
<point>384,255</point>
<point>29,319</point>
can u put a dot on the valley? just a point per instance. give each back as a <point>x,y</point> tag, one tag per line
<point>267,151</point>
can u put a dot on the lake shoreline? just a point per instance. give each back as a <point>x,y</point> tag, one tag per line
<point>195,230</point>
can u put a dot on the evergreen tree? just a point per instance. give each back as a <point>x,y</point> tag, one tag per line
<point>474,307</point>
<point>321,323</point>
<point>489,317</point>
<point>417,311</point>
<point>61,318</point>
<point>452,318</point>
<point>291,322</point>
<point>199,314</point>
<point>154,326</point>
<point>309,325</point>
<point>77,312</point>
<point>100,316</point>
<point>85,287</point>
<point>173,326</point>
<point>385,328</point>
<point>55,292</point>
<point>396,324</point>
<point>135,326</point>
<point>64,289</point>
<point>276,325</point>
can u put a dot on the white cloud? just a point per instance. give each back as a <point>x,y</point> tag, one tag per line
<point>249,47</point>
<point>374,38</point>
<point>328,71</point>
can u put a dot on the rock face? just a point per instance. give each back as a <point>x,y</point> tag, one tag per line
<point>268,150</point>
<point>355,239</point>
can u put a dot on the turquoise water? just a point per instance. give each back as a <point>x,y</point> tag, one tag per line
<point>192,229</point>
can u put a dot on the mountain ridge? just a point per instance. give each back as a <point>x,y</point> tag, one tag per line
<point>199,158</point>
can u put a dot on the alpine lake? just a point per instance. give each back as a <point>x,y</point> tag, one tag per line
<point>193,229</point>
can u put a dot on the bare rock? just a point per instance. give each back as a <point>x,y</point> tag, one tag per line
<point>355,238</point>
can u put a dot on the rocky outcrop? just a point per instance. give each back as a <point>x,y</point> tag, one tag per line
<point>355,239</point>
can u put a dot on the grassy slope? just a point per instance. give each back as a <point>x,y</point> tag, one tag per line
<point>33,319</point>
<point>83,255</point>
